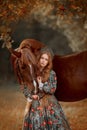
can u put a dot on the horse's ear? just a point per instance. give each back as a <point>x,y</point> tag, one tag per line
<point>36,46</point>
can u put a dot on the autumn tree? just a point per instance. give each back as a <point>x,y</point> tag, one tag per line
<point>15,10</point>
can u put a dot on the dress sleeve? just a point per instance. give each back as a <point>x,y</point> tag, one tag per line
<point>48,87</point>
<point>51,84</point>
<point>26,92</point>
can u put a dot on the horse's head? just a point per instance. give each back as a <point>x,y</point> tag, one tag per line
<point>25,66</point>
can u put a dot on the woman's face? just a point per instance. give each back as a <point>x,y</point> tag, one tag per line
<point>44,60</point>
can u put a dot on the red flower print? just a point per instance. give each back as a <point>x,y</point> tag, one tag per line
<point>55,78</point>
<point>51,104</point>
<point>32,109</point>
<point>51,112</point>
<point>25,124</point>
<point>30,125</point>
<point>39,108</point>
<point>52,90</point>
<point>44,123</point>
<point>49,108</point>
<point>50,122</point>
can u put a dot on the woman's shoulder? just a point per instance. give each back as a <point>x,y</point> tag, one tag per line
<point>52,72</point>
<point>52,75</point>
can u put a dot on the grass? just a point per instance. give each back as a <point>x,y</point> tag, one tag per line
<point>12,104</point>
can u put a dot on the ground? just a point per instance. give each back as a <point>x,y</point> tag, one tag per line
<point>12,104</point>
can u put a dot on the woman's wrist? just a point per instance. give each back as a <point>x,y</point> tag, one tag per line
<point>40,85</point>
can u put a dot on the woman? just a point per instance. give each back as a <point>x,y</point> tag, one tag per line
<point>45,113</point>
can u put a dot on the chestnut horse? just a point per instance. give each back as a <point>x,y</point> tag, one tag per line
<point>25,64</point>
<point>71,73</point>
<point>71,70</point>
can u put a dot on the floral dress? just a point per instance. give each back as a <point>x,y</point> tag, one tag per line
<point>46,113</point>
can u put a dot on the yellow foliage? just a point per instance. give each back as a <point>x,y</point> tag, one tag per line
<point>14,10</point>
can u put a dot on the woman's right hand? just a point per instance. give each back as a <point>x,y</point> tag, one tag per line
<point>39,79</point>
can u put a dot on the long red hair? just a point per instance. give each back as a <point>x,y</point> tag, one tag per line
<point>46,72</point>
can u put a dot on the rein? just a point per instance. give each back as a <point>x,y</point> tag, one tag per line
<point>33,78</point>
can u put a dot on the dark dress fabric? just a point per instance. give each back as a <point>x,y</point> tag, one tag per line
<point>46,113</point>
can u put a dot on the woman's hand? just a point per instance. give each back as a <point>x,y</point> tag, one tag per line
<point>35,97</point>
<point>39,79</point>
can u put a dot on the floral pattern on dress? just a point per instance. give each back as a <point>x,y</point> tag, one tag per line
<point>46,113</point>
